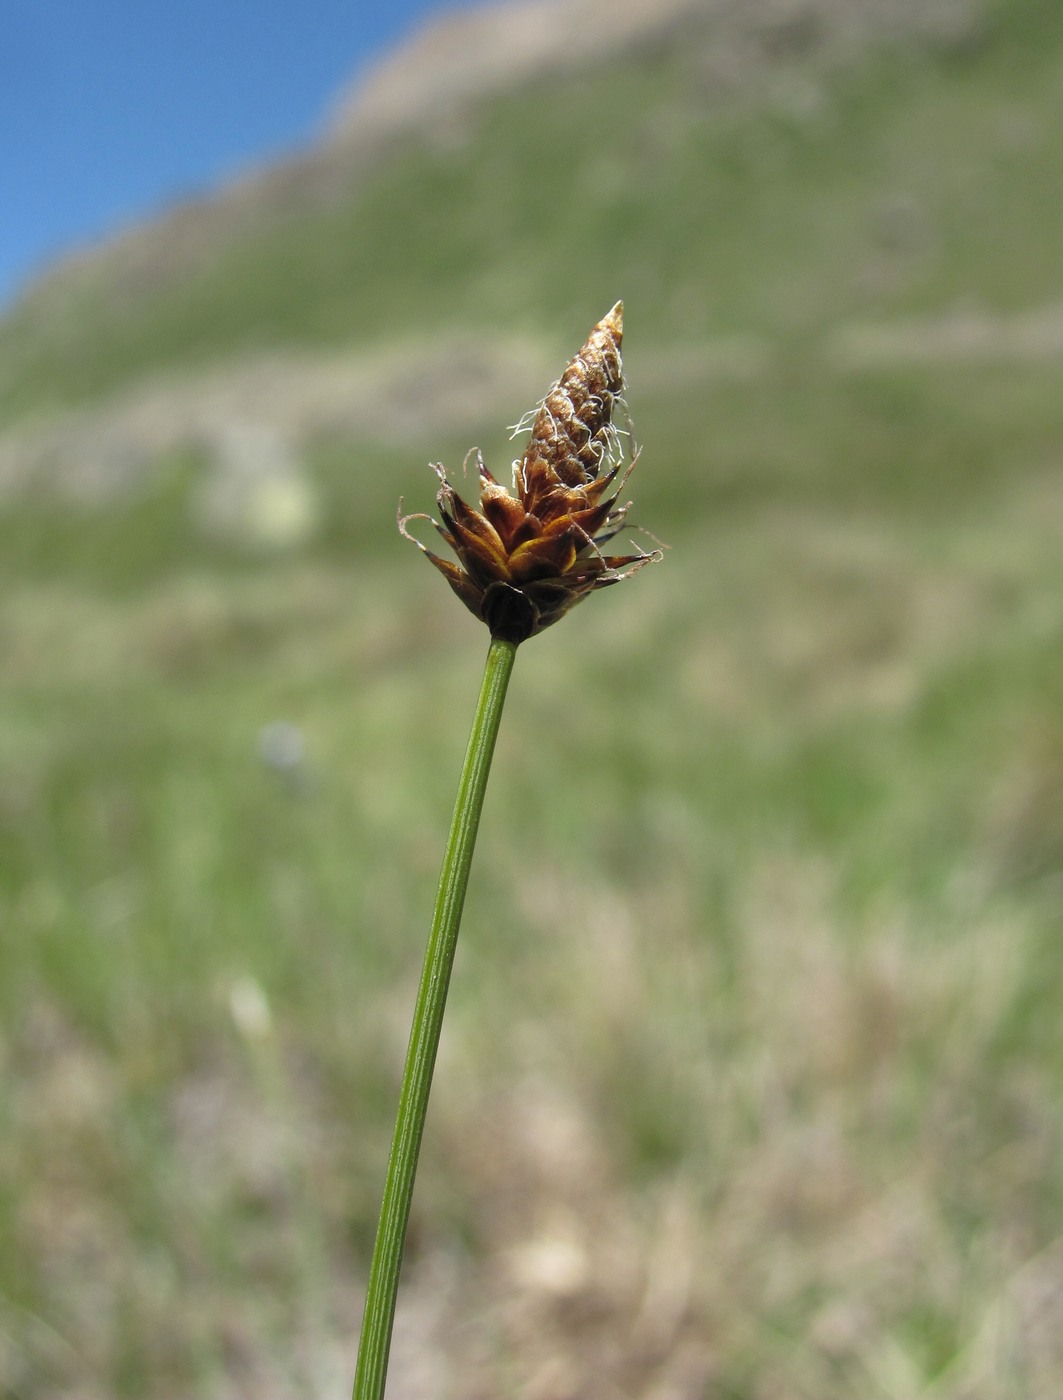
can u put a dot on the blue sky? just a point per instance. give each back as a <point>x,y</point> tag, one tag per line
<point>111,108</point>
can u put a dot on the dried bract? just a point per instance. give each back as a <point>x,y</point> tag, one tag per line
<point>527,556</point>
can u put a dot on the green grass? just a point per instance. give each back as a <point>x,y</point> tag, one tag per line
<point>757,989</point>
<point>750,1085</point>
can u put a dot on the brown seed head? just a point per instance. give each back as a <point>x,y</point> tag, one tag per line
<point>573,433</point>
<point>526,558</point>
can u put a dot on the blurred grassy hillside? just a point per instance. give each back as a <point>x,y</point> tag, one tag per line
<point>751,1086</point>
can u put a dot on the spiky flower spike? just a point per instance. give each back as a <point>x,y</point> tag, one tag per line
<point>526,558</point>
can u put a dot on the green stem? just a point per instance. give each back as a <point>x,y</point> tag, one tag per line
<point>379,1316</point>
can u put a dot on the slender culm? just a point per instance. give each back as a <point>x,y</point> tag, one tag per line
<point>522,561</point>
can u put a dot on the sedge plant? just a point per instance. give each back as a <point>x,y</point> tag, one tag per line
<point>523,559</point>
